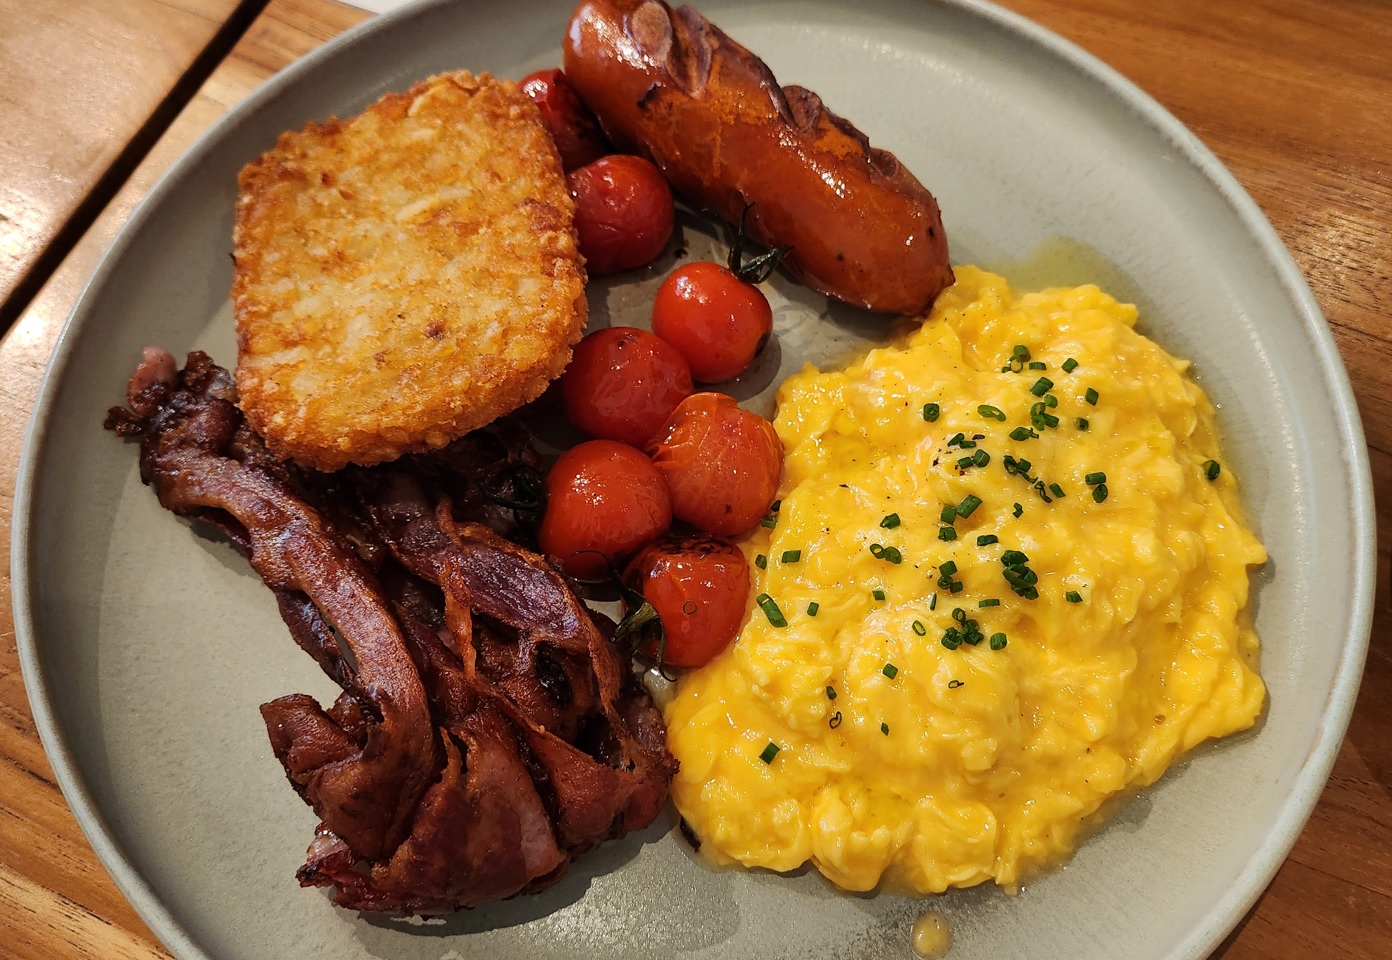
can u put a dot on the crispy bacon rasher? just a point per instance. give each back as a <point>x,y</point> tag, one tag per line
<point>488,730</point>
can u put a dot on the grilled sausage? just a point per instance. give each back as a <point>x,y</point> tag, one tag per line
<point>668,84</point>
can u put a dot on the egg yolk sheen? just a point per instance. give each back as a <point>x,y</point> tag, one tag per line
<point>1006,581</point>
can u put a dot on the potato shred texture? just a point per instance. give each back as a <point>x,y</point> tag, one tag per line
<point>404,276</point>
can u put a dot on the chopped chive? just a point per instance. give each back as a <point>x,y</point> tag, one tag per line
<point>959,615</point>
<point>998,641</point>
<point>812,608</point>
<point>933,602</point>
<point>1038,365</point>
<point>954,684</point>
<point>775,506</point>
<point>1091,396</point>
<point>769,522</point>
<point>991,413</point>
<point>956,439</point>
<point>931,411</point>
<point>831,692</point>
<point>948,569</point>
<point>770,608</point>
<point>947,533</point>
<point>890,670</point>
<point>989,602</point>
<point>918,627</point>
<point>1018,510</point>
<point>1056,490</point>
<point>1022,433</point>
<point>956,587</point>
<point>1023,466</point>
<point>968,505</point>
<point>884,728</point>
<point>890,522</point>
<point>877,593</point>
<point>986,539</point>
<point>1082,423</point>
<point>1042,386</point>
<point>791,556</point>
<point>1050,400</point>
<point>952,639</point>
<point>1099,493</point>
<point>1040,417</point>
<point>835,720</point>
<point>1020,352</point>
<point>1021,577</point>
<point>761,562</point>
<point>770,751</point>
<point>1073,596</point>
<point>1093,479</point>
<point>1070,365</point>
<point>1014,558</point>
<point>964,462</point>
<point>877,550</point>
<point>1211,469</point>
<point>980,458</point>
<point>892,555</point>
<point>949,513</point>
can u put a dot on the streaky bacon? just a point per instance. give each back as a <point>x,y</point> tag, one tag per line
<point>488,730</point>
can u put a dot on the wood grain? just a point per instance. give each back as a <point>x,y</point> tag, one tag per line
<point>79,79</point>
<point>1294,96</point>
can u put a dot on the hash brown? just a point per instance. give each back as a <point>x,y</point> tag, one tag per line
<point>403,276</point>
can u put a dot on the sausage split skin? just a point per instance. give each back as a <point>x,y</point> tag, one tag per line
<point>668,84</point>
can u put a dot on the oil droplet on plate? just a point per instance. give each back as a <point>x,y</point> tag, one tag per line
<point>931,936</point>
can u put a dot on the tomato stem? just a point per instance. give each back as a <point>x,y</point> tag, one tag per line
<point>758,268</point>
<point>518,487</point>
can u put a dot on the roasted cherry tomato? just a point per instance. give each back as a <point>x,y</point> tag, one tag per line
<point>721,464</point>
<point>623,213</point>
<point>717,321</point>
<point>699,587</point>
<point>604,501</point>
<point>623,383</point>
<point>579,140</point>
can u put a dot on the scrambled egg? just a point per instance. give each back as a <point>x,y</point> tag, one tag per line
<point>912,702</point>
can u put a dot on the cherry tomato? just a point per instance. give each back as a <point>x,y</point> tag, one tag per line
<point>623,383</point>
<point>604,501</point>
<point>717,321</point>
<point>579,140</point>
<point>699,587</point>
<point>721,464</point>
<point>623,213</point>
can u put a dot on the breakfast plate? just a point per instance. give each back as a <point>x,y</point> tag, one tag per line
<point>146,650</point>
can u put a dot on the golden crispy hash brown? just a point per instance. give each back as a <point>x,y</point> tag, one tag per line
<point>404,276</point>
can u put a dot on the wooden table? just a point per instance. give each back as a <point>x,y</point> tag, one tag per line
<point>1294,95</point>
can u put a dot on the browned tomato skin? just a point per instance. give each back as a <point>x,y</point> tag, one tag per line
<point>623,213</point>
<point>604,502</point>
<point>699,587</point>
<point>623,383</point>
<point>721,464</point>
<point>576,132</point>
<point>670,85</point>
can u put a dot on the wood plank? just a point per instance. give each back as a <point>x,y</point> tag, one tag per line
<point>79,79</point>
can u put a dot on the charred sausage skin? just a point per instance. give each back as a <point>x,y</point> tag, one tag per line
<point>670,85</point>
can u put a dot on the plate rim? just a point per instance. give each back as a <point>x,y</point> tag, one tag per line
<point>1225,913</point>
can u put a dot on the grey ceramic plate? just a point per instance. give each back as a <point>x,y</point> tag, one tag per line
<point>147,648</point>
